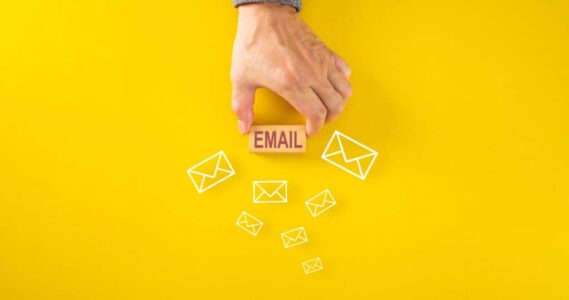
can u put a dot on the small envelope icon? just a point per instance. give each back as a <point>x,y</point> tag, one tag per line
<point>312,265</point>
<point>211,171</point>
<point>247,222</point>
<point>294,237</point>
<point>320,203</point>
<point>349,155</point>
<point>274,191</point>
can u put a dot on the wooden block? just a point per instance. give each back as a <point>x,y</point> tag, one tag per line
<point>277,139</point>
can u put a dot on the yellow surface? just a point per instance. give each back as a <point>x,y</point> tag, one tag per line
<point>105,104</point>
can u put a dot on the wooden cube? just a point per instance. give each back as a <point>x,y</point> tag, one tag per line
<point>277,139</point>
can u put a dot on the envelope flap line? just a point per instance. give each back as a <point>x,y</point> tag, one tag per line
<point>216,169</point>
<point>342,150</point>
<point>326,201</point>
<point>276,191</point>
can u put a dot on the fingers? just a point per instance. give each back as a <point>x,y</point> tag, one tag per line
<point>335,89</point>
<point>316,89</point>
<point>315,115</point>
<point>321,102</point>
<point>306,102</point>
<point>342,66</point>
<point>242,104</point>
<point>333,100</point>
<point>340,83</point>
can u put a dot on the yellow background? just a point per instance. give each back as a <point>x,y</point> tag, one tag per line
<point>105,104</point>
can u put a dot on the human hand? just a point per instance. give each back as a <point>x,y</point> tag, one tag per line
<point>275,49</point>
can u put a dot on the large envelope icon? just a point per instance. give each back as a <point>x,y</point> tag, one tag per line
<point>312,265</point>
<point>349,155</point>
<point>249,223</point>
<point>294,237</point>
<point>274,191</point>
<point>211,171</point>
<point>320,203</point>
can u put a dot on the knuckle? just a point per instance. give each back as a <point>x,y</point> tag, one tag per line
<point>337,108</point>
<point>321,83</point>
<point>236,75</point>
<point>289,78</point>
<point>348,91</point>
<point>238,108</point>
<point>319,113</point>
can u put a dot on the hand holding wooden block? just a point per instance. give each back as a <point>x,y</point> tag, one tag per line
<point>277,139</point>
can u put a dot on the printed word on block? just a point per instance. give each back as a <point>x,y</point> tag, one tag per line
<point>277,138</point>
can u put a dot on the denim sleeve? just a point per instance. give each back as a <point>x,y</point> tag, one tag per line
<point>295,3</point>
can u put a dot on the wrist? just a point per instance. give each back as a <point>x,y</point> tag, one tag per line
<point>259,9</point>
<point>265,15</point>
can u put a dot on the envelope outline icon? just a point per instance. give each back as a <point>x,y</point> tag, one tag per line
<point>222,171</point>
<point>312,265</point>
<point>270,191</point>
<point>294,237</point>
<point>362,171</point>
<point>249,223</point>
<point>320,203</point>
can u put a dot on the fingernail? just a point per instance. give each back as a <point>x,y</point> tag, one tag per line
<point>241,126</point>
<point>309,132</point>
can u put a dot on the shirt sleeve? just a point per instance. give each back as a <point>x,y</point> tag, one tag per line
<point>295,3</point>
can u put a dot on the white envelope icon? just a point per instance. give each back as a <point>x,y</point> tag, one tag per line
<point>320,203</point>
<point>270,191</point>
<point>249,223</point>
<point>294,237</point>
<point>211,171</point>
<point>349,155</point>
<point>312,265</point>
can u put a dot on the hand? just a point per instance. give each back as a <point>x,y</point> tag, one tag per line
<point>275,49</point>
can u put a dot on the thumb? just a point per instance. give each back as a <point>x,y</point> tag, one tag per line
<point>242,104</point>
